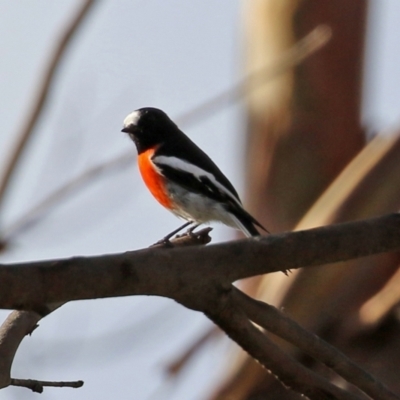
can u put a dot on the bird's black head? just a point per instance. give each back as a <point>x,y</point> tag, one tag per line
<point>148,127</point>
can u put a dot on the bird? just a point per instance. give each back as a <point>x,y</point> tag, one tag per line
<point>182,177</point>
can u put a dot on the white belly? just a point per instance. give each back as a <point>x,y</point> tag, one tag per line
<point>195,207</point>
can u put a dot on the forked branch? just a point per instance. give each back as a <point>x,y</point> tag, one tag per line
<point>272,320</point>
<point>22,323</point>
<point>201,278</point>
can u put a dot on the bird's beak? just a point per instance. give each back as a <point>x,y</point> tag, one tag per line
<point>126,130</point>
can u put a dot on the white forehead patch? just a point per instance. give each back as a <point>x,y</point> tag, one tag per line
<point>132,118</point>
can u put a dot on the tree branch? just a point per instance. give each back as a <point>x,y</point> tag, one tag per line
<point>301,50</point>
<point>38,386</point>
<point>21,323</point>
<point>44,90</point>
<point>62,194</point>
<point>13,330</point>
<point>200,278</point>
<point>274,321</point>
<point>286,369</point>
<point>186,274</point>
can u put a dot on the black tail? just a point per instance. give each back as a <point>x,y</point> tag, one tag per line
<point>246,223</point>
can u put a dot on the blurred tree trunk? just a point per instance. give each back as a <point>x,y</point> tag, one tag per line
<point>303,129</point>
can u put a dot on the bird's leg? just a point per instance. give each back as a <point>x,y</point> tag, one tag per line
<point>165,239</point>
<point>191,229</point>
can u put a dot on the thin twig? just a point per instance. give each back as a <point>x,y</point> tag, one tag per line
<point>271,319</point>
<point>200,237</point>
<point>40,102</point>
<point>294,56</point>
<point>38,386</point>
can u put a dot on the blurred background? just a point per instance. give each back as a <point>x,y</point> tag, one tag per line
<point>315,145</point>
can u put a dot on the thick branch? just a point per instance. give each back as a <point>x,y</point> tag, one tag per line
<point>21,323</point>
<point>183,273</point>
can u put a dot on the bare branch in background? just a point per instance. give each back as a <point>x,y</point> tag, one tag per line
<point>41,210</point>
<point>303,49</point>
<point>180,362</point>
<point>40,102</point>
